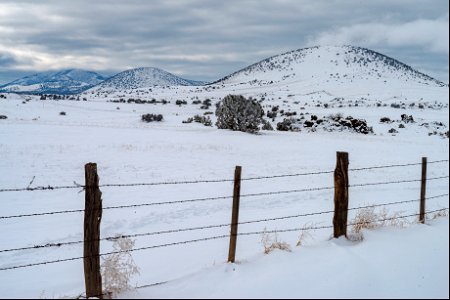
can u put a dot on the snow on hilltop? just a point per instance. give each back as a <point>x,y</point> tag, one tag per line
<point>71,81</point>
<point>330,66</point>
<point>142,78</point>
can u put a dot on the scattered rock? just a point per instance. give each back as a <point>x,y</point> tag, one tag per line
<point>308,124</point>
<point>393,131</point>
<point>331,123</point>
<point>407,119</point>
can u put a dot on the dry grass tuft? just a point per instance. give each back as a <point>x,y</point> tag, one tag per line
<point>118,268</point>
<point>439,214</point>
<point>270,243</point>
<point>304,235</point>
<point>368,218</point>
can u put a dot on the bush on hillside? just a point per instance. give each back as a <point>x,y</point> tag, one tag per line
<point>151,118</point>
<point>237,113</point>
<point>266,125</point>
<point>205,120</point>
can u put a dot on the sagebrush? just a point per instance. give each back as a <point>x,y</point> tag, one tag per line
<point>152,118</point>
<point>237,113</point>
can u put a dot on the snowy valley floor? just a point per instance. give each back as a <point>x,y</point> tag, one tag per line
<point>37,142</point>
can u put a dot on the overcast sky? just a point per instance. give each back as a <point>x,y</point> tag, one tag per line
<point>208,39</point>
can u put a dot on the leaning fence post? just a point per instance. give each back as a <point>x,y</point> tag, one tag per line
<point>340,195</point>
<point>423,190</point>
<point>92,218</point>
<point>235,214</point>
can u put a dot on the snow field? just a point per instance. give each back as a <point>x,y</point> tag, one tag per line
<point>54,149</point>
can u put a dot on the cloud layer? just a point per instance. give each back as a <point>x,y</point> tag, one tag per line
<point>205,40</point>
<point>425,34</point>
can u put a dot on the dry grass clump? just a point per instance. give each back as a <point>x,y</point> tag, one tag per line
<point>439,214</point>
<point>270,243</point>
<point>368,218</point>
<point>118,268</point>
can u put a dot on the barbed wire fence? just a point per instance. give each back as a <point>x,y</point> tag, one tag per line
<point>223,225</point>
<point>236,196</point>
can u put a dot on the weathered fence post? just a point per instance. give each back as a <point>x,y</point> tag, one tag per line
<point>92,218</point>
<point>235,214</point>
<point>340,195</point>
<point>423,190</point>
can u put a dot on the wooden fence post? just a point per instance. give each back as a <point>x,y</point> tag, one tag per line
<point>92,218</point>
<point>423,190</point>
<point>340,195</point>
<point>235,214</point>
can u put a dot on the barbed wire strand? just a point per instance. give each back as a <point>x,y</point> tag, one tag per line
<point>286,175</point>
<point>397,165</point>
<point>396,182</point>
<point>83,294</point>
<point>397,202</point>
<point>42,188</point>
<point>42,214</point>
<point>119,207</point>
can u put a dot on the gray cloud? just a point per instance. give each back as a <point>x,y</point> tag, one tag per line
<point>6,60</point>
<point>429,35</point>
<point>202,39</point>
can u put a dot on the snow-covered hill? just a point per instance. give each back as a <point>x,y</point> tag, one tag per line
<point>143,78</point>
<point>330,63</point>
<point>297,78</point>
<point>333,69</point>
<point>70,81</point>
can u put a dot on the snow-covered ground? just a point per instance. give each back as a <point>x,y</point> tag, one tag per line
<point>36,141</point>
<point>390,263</point>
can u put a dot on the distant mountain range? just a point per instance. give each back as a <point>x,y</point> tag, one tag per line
<point>74,81</point>
<point>70,81</point>
<point>322,68</point>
